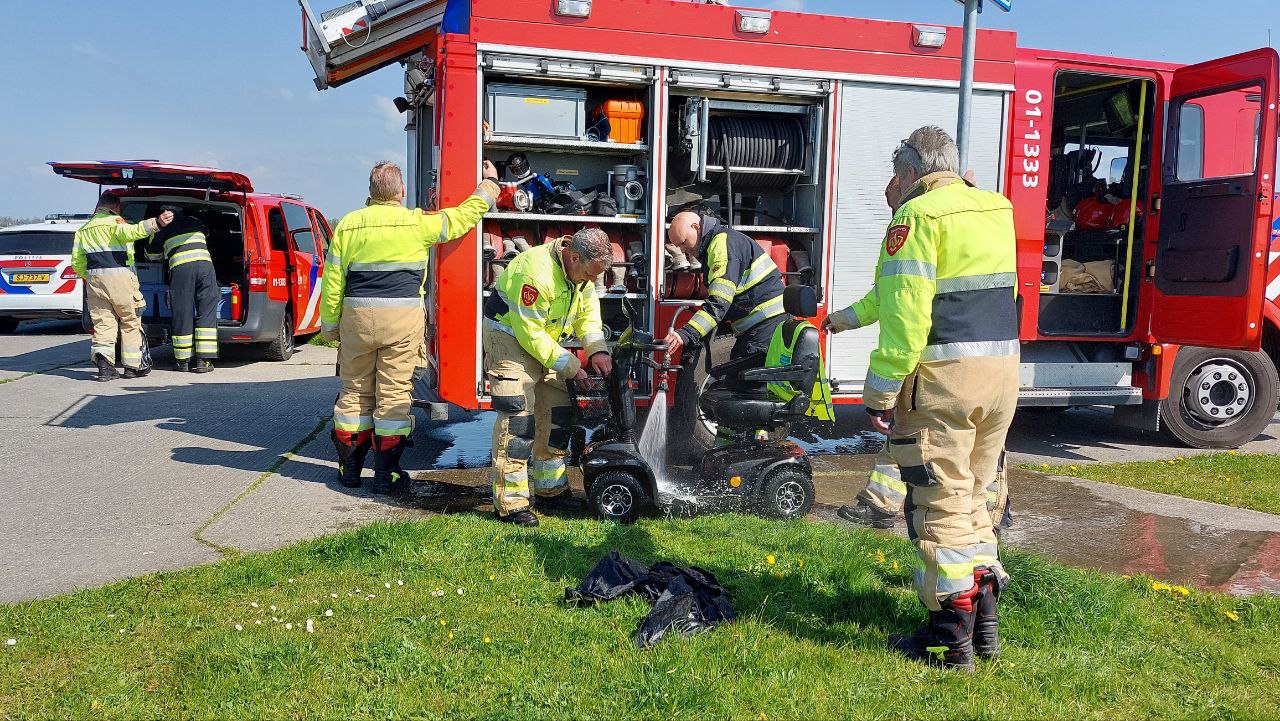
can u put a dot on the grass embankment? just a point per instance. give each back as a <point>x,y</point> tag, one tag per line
<point>230,640</point>
<point>320,340</point>
<point>1244,480</point>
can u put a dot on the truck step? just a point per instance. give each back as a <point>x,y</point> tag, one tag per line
<point>1080,396</point>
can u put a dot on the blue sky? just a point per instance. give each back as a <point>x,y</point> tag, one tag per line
<point>223,83</point>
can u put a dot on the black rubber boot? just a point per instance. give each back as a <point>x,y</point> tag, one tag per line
<point>388,477</point>
<point>986,626</point>
<point>864,514</point>
<point>523,518</point>
<point>135,372</point>
<point>106,369</point>
<point>562,502</point>
<point>201,365</point>
<point>182,366</point>
<point>352,449</point>
<point>946,640</point>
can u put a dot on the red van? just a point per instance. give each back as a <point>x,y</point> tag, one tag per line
<point>268,250</point>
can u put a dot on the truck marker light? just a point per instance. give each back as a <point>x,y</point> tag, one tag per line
<point>754,21</point>
<point>928,36</point>
<point>573,8</point>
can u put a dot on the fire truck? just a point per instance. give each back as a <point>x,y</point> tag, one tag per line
<point>1142,191</point>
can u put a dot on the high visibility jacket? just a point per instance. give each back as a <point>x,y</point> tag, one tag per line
<point>105,244</point>
<point>781,352</point>
<point>181,241</point>
<point>945,284</point>
<point>744,287</point>
<point>378,256</point>
<point>536,303</point>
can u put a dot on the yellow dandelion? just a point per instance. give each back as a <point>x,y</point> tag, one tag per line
<point>895,565</point>
<point>451,635</point>
<point>1231,615</point>
<point>492,576</point>
<point>777,574</point>
<point>763,717</point>
<point>800,562</point>
<point>442,623</point>
<point>1181,591</point>
<point>1045,466</point>
<point>1158,586</point>
<point>769,559</point>
<point>1181,458</point>
<point>488,640</point>
<point>1233,452</point>
<point>1074,468</point>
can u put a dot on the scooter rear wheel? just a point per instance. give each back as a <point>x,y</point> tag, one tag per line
<point>618,496</point>
<point>788,493</point>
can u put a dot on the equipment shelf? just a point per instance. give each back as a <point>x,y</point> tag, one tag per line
<point>520,142</point>
<point>551,218</point>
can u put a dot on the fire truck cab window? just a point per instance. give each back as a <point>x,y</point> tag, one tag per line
<point>1234,115</point>
<point>1100,153</point>
<point>1190,142</point>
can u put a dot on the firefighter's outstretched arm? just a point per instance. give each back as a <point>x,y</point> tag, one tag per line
<point>453,223</point>
<point>333,285</point>
<point>723,273</point>
<point>529,324</point>
<point>906,282</point>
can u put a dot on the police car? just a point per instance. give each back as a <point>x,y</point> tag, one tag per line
<point>36,277</point>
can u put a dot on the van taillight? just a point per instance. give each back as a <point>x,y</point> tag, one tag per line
<point>69,273</point>
<point>257,275</point>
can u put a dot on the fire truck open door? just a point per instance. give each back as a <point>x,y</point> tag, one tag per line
<point>1214,216</point>
<point>359,37</point>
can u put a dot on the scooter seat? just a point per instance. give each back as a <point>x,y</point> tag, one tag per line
<point>741,408</point>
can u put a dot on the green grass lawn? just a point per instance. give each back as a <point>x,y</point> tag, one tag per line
<point>1233,479</point>
<point>809,643</point>
<point>319,340</point>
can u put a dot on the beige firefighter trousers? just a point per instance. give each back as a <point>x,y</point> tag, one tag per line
<point>886,492</point>
<point>378,350</point>
<point>114,299</point>
<point>532,431</point>
<point>951,422</point>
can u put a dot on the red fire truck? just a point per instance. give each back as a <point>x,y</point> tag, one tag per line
<point>1142,190</point>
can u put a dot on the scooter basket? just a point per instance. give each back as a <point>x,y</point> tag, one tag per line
<point>590,401</point>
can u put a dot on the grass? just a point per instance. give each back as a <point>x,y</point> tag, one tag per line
<point>809,643</point>
<point>320,340</point>
<point>1234,479</point>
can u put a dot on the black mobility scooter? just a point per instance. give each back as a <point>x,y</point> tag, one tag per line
<point>772,478</point>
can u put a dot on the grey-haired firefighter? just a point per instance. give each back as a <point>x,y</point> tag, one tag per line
<point>371,303</point>
<point>943,386</point>
<point>102,254</point>
<point>545,296</point>
<point>744,288</point>
<point>193,292</point>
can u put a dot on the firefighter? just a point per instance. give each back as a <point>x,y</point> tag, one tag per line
<point>102,254</point>
<point>193,292</point>
<point>545,296</point>
<point>943,386</point>
<point>744,288</point>
<point>371,303</point>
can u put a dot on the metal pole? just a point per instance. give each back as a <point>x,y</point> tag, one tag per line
<point>971,8</point>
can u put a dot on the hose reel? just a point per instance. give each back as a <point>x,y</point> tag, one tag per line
<point>761,152</point>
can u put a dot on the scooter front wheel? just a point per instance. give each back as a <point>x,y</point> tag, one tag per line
<point>788,493</point>
<point>618,496</point>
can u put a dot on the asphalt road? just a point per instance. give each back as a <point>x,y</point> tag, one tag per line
<point>110,480</point>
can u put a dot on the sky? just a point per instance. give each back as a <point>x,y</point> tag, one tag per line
<point>224,83</point>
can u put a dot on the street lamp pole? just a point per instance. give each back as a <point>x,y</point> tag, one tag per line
<point>971,9</point>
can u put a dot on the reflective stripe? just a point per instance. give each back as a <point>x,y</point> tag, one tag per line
<point>385,427</point>
<point>881,384</point>
<point>444,223</point>
<point>985,553</point>
<point>104,350</point>
<point>547,475</point>
<point>971,349</point>
<point>345,422</point>
<point>590,338</point>
<point>188,256</point>
<point>108,271</point>
<point>185,239</point>
<point>760,269</point>
<point>131,358</point>
<point>386,267</point>
<point>382,302</point>
<point>529,313</point>
<point>499,325</point>
<point>977,282</point>
<point>182,341</point>
<point>886,482</point>
<point>759,314</point>
<point>562,361</point>
<point>722,288</point>
<point>918,268</point>
<point>334,260</point>
<point>702,322</point>
<point>206,333</point>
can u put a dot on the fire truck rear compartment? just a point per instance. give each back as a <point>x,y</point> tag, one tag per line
<point>1092,258</point>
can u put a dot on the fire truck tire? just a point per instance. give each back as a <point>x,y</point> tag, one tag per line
<point>1238,387</point>
<point>281,348</point>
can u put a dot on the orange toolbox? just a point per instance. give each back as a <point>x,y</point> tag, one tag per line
<point>626,118</point>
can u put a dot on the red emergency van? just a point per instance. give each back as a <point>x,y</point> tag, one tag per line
<point>268,250</point>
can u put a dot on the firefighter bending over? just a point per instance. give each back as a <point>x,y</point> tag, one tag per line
<point>371,303</point>
<point>744,288</point>
<point>943,385</point>
<point>545,296</point>
<point>193,292</point>
<point>102,254</point>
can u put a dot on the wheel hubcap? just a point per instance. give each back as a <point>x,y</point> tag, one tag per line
<point>1218,391</point>
<point>790,498</point>
<point>616,500</point>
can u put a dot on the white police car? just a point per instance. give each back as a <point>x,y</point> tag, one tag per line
<point>36,277</point>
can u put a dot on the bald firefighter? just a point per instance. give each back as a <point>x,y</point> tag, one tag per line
<point>371,303</point>
<point>943,386</point>
<point>102,254</point>
<point>545,297</point>
<point>744,288</point>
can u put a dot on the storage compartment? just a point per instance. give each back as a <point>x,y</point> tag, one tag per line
<point>537,111</point>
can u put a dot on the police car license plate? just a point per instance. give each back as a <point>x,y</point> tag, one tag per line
<point>28,278</point>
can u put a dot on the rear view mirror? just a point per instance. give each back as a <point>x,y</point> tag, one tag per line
<point>1118,166</point>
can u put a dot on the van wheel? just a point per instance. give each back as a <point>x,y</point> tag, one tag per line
<point>281,349</point>
<point>8,325</point>
<point>1219,398</point>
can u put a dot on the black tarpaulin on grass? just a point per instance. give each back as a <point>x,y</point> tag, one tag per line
<point>685,600</point>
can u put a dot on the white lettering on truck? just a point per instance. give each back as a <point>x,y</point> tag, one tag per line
<point>1031,148</point>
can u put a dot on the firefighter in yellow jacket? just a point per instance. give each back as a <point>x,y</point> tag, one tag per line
<point>371,303</point>
<point>943,385</point>
<point>545,296</point>
<point>102,254</point>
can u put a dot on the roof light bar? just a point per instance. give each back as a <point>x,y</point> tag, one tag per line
<point>754,21</point>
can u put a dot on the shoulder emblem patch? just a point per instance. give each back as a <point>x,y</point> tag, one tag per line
<point>717,270</point>
<point>896,238</point>
<point>528,295</point>
<point>121,221</point>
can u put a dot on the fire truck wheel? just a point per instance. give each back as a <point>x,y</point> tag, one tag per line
<point>281,349</point>
<point>1219,398</point>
